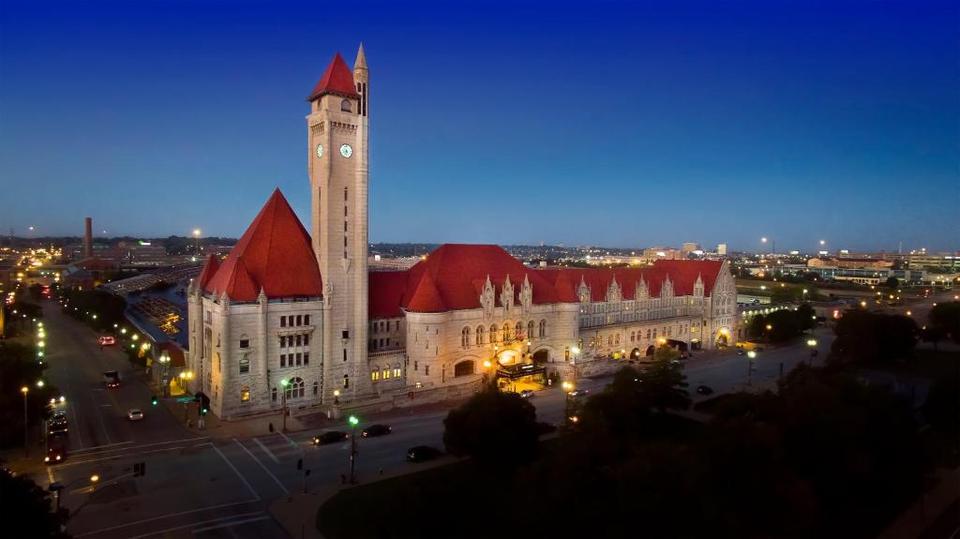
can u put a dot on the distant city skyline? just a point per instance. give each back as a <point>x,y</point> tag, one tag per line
<point>627,126</point>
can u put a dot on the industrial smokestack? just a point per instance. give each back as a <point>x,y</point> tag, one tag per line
<point>88,238</point>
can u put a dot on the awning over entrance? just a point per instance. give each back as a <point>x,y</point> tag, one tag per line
<point>520,370</point>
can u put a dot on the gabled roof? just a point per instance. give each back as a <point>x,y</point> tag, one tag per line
<point>273,255</point>
<point>682,273</point>
<point>210,268</point>
<point>336,80</point>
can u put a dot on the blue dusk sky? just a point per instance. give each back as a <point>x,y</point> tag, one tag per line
<point>603,123</point>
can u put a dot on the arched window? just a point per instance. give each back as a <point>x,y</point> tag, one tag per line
<point>385,373</point>
<point>530,333</point>
<point>345,105</point>
<point>506,332</point>
<point>374,373</point>
<point>465,337</point>
<point>479,335</point>
<point>616,338</point>
<point>518,329</point>
<point>295,389</point>
<point>396,370</point>
<point>543,328</point>
<point>493,334</point>
<point>316,388</point>
<point>346,381</point>
<point>633,336</point>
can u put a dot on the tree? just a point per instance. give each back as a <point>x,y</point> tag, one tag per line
<point>494,428</point>
<point>892,283</point>
<point>18,368</point>
<point>806,316</point>
<point>663,384</point>
<point>872,337</point>
<point>784,325</point>
<point>27,509</point>
<point>946,316</point>
<point>757,327</point>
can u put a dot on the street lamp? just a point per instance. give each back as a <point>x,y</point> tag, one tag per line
<point>812,343</point>
<point>164,366</point>
<point>751,355</point>
<point>283,405</point>
<point>354,421</point>
<point>196,235</point>
<point>26,447</point>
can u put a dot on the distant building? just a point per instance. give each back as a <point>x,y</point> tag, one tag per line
<point>722,249</point>
<point>850,263</point>
<point>943,262</point>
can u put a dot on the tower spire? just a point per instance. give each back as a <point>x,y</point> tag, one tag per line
<point>361,61</point>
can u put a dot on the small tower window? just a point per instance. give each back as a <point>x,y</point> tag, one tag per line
<point>345,106</point>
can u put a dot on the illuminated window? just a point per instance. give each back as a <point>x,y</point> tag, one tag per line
<point>245,394</point>
<point>396,371</point>
<point>386,374</point>
<point>375,374</point>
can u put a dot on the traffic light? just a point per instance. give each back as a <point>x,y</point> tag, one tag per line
<point>153,400</point>
<point>203,411</point>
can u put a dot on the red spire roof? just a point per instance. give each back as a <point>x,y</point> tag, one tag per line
<point>274,255</point>
<point>210,268</point>
<point>426,298</point>
<point>336,80</point>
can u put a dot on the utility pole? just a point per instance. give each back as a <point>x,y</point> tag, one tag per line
<point>26,424</point>
<point>353,449</point>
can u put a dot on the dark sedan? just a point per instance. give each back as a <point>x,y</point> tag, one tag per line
<point>704,390</point>
<point>376,430</point>
<point>330,437</point>
<point>423,453</point>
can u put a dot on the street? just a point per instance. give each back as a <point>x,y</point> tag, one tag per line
<point>222,484</point>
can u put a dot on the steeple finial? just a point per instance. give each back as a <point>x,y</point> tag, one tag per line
<point>361,61</point>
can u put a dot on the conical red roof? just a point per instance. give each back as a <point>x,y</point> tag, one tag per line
<point>274,254</point>
<point>426,298</point>
<point>337,80</point>
<point>210,268</point>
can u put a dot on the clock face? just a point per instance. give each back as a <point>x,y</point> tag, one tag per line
<point>319,151</point>
<point>346,150</point>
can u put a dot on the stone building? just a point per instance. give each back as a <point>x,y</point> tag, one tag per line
<point>297,319</point>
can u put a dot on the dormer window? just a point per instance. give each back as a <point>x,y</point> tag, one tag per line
<point>345,105</point>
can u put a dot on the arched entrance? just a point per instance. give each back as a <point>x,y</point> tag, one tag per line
<point>723,337</point>
<point>635,353</point>
<point>541,356</point>
<point>678,345</point>
<point>463,368</point>
<point>650,351</point>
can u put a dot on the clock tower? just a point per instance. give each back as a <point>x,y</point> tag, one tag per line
<point>337,162</point>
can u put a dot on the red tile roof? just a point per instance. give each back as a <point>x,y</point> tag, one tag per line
<point>274,254</point>
<point>457,274</point>
<point>336,80</point>
<point>426,298</point>
<point>210,268</point>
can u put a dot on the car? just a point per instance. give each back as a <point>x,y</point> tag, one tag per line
<point>330,437</point>
<point>57,424</point>
<point>56,450</point>
<point>111,378</point>
<point>376,430</point>
<point>107,340</point>
<point>578,393</point>
<point>423,453</point>
<point>135,414</point>
<point>741,351</point>
<point>526,393</point>
<point>704,390</point>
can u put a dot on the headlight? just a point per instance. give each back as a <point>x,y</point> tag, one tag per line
<point>58,457</point>
<point>46,459</point>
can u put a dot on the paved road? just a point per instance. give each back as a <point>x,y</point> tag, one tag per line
<point>222,486</point>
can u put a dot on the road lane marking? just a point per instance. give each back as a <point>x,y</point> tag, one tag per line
<point>289,441</point>
<point>96,447</point>
<point>269,453</point>
<point>73,412</point>
<point>211,521</point>
<point>229,524</point>
<point>254,457</point>
<point>169,515</point>
<point>121,455</point>
<point>102,424</point>
<point>236,471</point>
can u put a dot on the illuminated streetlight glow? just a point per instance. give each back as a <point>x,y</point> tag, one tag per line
<point>39,383</point>
<point>94,478</point>
<point>24,390</point>
<point>811,342</point>
<point>751,354</point>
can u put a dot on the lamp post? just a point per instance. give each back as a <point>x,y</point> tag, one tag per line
<point>196,236</point>
<point>26,437</point>
<point>812,343</point>
<point>567,388</point>
<point>164,366</point>
<point>353,448</point>
<point>283,405</point>
<point>751,355</point>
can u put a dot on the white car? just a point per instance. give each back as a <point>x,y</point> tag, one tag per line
<point>526,393</point>
<point>135,414</point>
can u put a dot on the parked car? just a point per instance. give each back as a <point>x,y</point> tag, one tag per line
<point>526,393</point>
<point>135,414</point>
<point>106,340</point>
<point>376,430</point>
<point>56,450</point>
<point>704,390</point>
<point>579,393</point>
<point>330,437</point>
<point>423,453</point>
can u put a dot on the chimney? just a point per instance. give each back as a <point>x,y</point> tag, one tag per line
<point>88,237</point>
